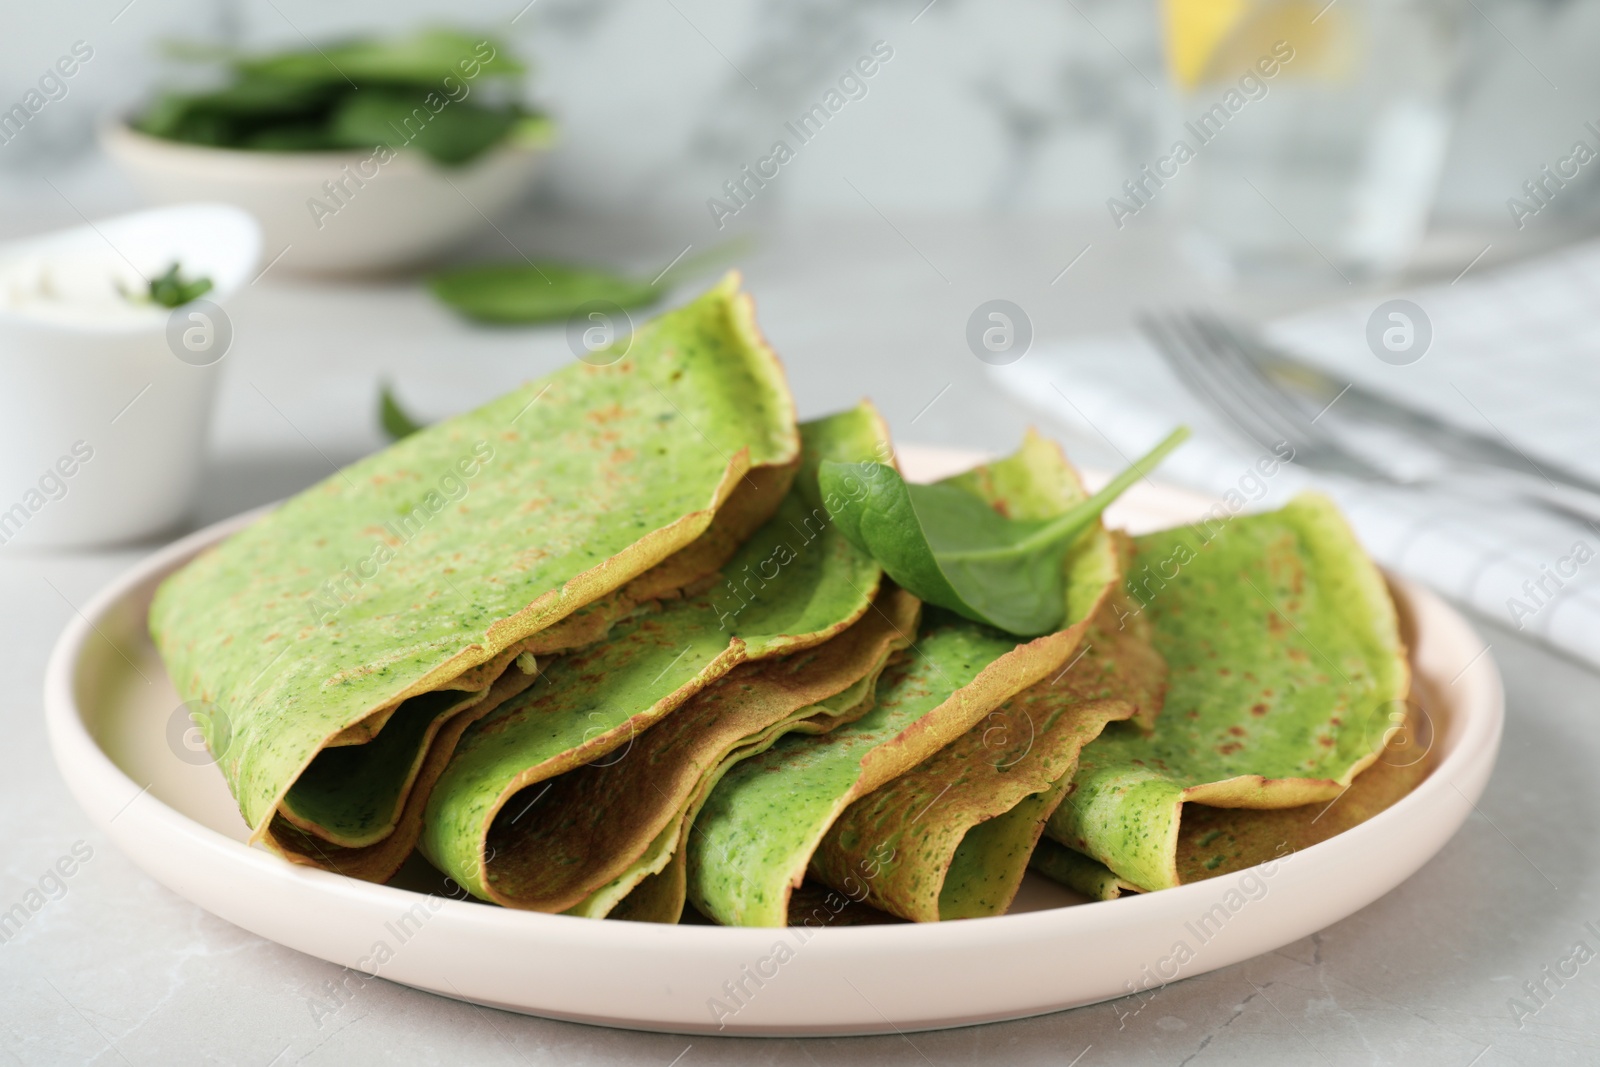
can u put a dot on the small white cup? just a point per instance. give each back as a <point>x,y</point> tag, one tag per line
<point>104,407</point>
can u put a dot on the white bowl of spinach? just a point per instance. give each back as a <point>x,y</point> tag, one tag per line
<point>361,156</point>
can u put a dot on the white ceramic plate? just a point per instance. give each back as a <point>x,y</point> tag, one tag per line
<point>115,726</point>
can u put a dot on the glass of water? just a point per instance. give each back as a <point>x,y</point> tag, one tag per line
<point>1311,132</point>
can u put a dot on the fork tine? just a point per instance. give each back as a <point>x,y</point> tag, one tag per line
<point>1270,430</point>
<point>1232,348</point>
<point>1208,357</point>
<point>1180,349</point>
<point>1225,362</point>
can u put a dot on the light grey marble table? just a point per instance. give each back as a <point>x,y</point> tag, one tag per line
<point>119,970</point>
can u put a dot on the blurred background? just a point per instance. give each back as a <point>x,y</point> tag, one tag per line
<point>1004,107</point>
<point>990,149</point>
<point>1075,164</point>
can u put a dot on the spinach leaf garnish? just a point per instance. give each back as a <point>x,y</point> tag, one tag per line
<point>172,290</point>
<point>394,419</point>
<point>951,548</point>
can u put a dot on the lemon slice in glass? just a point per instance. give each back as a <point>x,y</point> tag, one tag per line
<point>1213,41</point>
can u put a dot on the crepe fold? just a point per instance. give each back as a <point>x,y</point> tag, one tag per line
<point>607,838</point>
<point>340,642</point>
<point>1287,673</point>
<point>1214,841</point>
<point>757,832</point>
<point>793,585</point>
<point>951,838</point>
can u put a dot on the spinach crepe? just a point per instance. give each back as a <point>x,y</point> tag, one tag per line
<point>756,833</point>
<point>1217,841</point>
<point>611,835</point>
<point>793,585</point>
<point>1077,872</point>
<point>626,638</point>
<point>951,838</point>
<point>420,586</point>
<point>1214,841</point>
<point>1286,664</point>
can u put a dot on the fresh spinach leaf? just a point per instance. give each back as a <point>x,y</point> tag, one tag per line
<point>452,133</point>
<point>951,548</point>
<point>421,59</point>
<point>252,95</point>
<point>535,292</point>
<point>511,293</point>
<point>232,115</point>
<point>308,137</point>
<point>172,290</point>
<point>394,419</point>
<point>423,91</point>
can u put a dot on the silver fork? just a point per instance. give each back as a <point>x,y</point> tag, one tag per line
<point>1223,368</point>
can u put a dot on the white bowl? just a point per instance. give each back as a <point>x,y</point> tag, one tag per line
<point>103,419</point>
<point>372,216</point>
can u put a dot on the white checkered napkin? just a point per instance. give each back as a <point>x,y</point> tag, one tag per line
<point>1515,353</point>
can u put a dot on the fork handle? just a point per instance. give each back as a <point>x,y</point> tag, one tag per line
<point>1558,496</point>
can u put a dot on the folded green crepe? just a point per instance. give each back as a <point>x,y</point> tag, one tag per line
<point>756,833</point>
<point>1077,872</point>
<point>619,830</point>
<point>397,593</point>
<point>793,585</point>
<point>951,838</point>
<point>1217,841</point>
<point>1285,664</point>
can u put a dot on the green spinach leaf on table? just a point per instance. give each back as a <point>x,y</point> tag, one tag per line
<point>509,293</point>
<point>534,292</point>
<point>394,419</point>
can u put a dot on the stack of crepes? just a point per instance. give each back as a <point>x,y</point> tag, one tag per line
<point>597,647</point>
